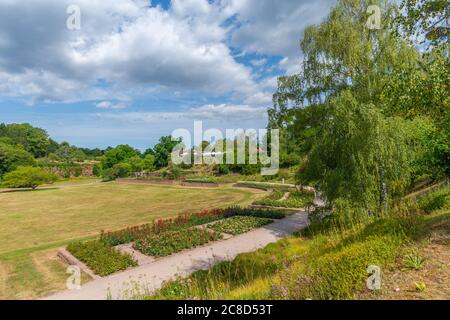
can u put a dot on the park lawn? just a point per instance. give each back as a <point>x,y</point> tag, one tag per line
<point>34,224</point>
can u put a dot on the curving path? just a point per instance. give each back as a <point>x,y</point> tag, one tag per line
<point>149,277</point>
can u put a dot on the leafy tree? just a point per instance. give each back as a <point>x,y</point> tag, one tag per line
<point>27,177</point>
<point>359,155</point>
<point>427,19</point>
<point>149,162</point>
<point>12,156</point>
<point>34,140</point>
<point>136,164</point>
<point>67,152</point>
<point>117,155</point>
<point>119,170</point>
<point>163,149</point>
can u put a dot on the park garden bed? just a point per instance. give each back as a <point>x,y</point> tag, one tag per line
<point>101,258</point>
<point>239,224</point>
<point>280,199</point>
<point>265,185</point>
<point>167,243</point>
<point>163,237</point>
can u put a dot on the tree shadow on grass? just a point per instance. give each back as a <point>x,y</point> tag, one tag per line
<point>27,190</point>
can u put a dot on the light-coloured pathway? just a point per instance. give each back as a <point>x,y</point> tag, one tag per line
<point>149,277</point>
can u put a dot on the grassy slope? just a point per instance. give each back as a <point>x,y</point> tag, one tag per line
<point>327,262</point>
<point>34,224</point>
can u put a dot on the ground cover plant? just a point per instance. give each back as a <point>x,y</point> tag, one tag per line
<point>257,212</point>
<point>266,186</point>
<point>295,199</point>
<point>237,224</point>
<point>169,242</point>
<point>201,180</point>
<point>100,257</point>
<point>131,234</point>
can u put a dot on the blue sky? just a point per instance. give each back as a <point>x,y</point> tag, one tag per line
<point>137,70</point>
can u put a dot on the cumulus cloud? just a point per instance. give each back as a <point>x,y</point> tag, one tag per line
<point>221,112</point>
<point>110,105</point>
<point>126,48</point>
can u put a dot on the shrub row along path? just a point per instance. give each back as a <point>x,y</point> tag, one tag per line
<point>150,277</point>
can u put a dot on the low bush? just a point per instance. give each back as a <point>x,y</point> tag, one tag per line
<point>27,177</point>
<point>237,225</point>
<point>436,200</point>
<point>266,186</point>
<point>167,243</point>
<point>200,180</point>
<point>100,257</point>
<point>254,212</point>
<point>296,199</point>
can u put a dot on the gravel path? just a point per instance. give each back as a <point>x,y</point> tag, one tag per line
<point>149,277</point>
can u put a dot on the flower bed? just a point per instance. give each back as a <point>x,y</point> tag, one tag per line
<point>167,243</point>
<point>256,212</point>
<point>131,234</point>
<point>100,257</point>
<point>183,221</point>
<point>296,199</point>
<point>238,225</point>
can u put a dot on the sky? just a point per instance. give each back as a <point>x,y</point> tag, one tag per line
<point>136,70</point>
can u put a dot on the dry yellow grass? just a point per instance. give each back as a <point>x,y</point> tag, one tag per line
<point>36,218</point>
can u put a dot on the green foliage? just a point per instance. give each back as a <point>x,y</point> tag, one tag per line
<point>426,19</point>
<point>420,286</point>
<point>295,199</point>
<point>34,140</point>
<point>237,224</point>
<point>117,155</point>
<point>100,257</point>
<point>357,152</point>
<point>200,180</point>
<point>149,162</point>
<point>27,177</point>
<point>414,262</point>
<point>162,151</point>
<point>260,213</point>
<point>66,152</point>
<point>12,156</point>
<point>225,276</point>
<point>172,172</point>
<point>436,200</point>
<point>167,243</point>
<point>119,170</point>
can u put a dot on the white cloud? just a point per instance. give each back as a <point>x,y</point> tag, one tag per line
<point>132,48</point>
<point>222,112</point>
<point>111,105</point>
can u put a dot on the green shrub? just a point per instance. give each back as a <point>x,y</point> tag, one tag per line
<point>296,199</point>
<point>27,177</point>
<point>100,257</point>
<point>435,200</point>
<point>237,225</point>
<point>167,243</point>
<point>200,180</point>
<point>256,212</point>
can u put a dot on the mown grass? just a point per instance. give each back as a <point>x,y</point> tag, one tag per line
<point>29,219</point>
<point>328,260</point>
